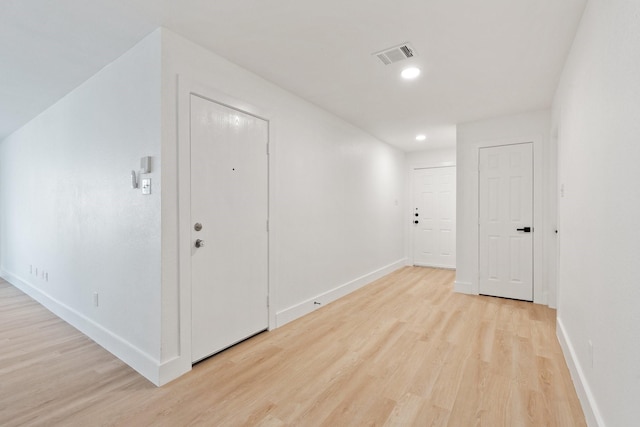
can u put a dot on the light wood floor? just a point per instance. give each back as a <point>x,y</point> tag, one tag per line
<point>403,351</point>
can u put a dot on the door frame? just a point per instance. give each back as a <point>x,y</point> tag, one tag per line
<point>186,88</point>
<point>412,189</point>
<point>532,234</point>
<point>539,291</point>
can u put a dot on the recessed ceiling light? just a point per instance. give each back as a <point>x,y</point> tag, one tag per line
<point>421,137</point>
<point>410,73</point>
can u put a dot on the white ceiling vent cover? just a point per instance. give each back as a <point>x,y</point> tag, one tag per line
<point>395,54</point>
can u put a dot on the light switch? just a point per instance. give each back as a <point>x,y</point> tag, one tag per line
<point>146,186</point>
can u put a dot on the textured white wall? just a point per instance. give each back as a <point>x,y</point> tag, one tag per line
<point>336,192</point>
<point>526,127</point>
<point>67,207</point>
<point>597,114</point>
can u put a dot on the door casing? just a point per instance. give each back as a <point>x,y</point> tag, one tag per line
<point>186,88</point>
<point>467,248</point>
<point>512,279</point>
<point>229,196</point>
<point>415,202</point>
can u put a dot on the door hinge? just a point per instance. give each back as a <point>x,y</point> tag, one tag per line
<point>267,148</point>
<point>267,300</point>
<point>267,226</point>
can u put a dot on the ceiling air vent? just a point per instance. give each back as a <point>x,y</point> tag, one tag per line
<point>395,54</point>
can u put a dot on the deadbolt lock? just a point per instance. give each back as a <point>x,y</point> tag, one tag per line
<point>197,226</point>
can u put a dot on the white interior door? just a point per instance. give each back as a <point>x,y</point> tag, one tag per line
<point>434,217</point>
<point>229,199</point>
<point>506,221</point>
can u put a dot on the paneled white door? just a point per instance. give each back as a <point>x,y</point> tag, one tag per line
<point>229,211</point>
<point>506,221</point>
<point>434,217</point>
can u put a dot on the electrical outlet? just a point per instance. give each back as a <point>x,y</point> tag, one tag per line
<point>95,299</point>
<point>46,276</point>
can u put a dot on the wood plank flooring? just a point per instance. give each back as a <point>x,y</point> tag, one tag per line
<point>403,351</point>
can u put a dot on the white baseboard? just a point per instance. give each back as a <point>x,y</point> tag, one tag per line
<point>463,288</point>
<point>296,311</point>
<point>545,299</point>
<point>172,369</point>
<point>444,267</point>
<point>146,365</point>
<point>587,400</point>
<point>551,300</point>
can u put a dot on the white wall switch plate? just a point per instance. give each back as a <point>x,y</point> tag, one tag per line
<point>146,185</point>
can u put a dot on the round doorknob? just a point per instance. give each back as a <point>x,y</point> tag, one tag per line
<point>416,221</point>
<point>199,243</point>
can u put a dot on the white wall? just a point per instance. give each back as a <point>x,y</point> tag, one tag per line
<point>336,209</point>
<point>597,114</point>
<point>527,127</point>
<point>67,207</point>
<point>431,158</point>
<point>438,157</point>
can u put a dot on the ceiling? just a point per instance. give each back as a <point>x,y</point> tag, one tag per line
<point>479,59</point>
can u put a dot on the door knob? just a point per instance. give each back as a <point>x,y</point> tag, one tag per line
<point>416,221</point>
<point>525,229</point>
<point>199,243</point>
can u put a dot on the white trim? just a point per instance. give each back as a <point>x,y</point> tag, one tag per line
<point>464,288</point>
<point>539,295</point>
<point>143,363</point>
<point>186,88</point>
<point>545,297</point>
<point>587,400</point>
<point>410,228</point>
<point>305,307</point>
<point>433,167</point>
<point>444,267</point>
<point>273,222</point>
<point>172,369</point>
